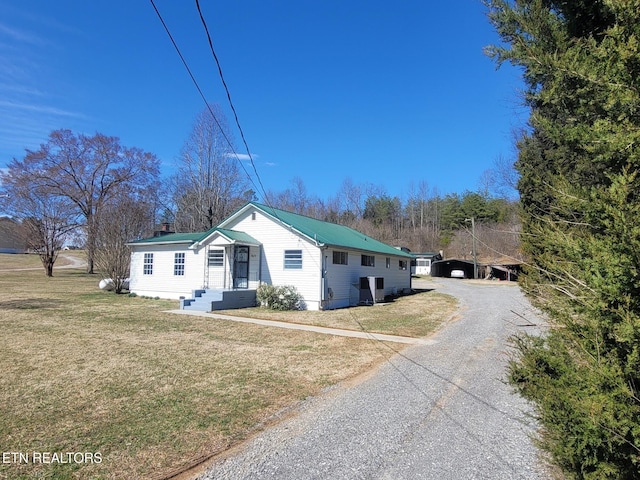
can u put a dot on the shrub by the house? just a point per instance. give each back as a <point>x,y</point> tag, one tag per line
<point>285,297</point>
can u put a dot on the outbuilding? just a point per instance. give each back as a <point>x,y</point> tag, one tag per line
<point>421,264</point>
<point>445,268</point>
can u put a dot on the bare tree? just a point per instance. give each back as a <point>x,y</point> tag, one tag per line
<point>209,182</point>
<point>352,198</point>
<point>416,205</point>
<point>294,199</point>
<point>85,170</point>
<point>502,179</point>
<point>47,220</point>
<point>125,219</point>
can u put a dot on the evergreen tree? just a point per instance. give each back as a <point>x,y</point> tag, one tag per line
<point>579,190</point>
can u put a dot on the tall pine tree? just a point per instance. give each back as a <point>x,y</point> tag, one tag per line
<point>579,164</point>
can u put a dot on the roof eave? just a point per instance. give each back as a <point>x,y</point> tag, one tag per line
<point>174,242</point>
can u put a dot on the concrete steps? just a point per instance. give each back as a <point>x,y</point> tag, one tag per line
<point>215,299</point>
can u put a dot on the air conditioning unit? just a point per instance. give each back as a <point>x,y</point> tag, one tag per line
<point>366,296</point>
<point>377,288</point>
<point>371,290</point>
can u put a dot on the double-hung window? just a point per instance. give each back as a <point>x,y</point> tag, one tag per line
<point>340,258</point>
<point>147,268</point>
<point>178,264</point>
<point>368,260</point>
<point>292,259</point>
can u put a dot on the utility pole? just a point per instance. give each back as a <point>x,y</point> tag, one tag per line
<point>473,238</point>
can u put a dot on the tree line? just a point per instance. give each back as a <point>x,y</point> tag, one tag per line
<point>114,194</point>
<point>423,221</point>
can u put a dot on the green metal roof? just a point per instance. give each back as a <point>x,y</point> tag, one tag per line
<point>321,232</point>
<point>171,238</point>
<point>330,234</point>
<point>196,237</point>
<point>234,235</point>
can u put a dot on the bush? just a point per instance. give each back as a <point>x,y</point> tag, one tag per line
<point>285,297</point>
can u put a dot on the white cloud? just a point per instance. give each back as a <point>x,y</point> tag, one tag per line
<point>19,89</point>
<point>20,35</point>
<point>242,156</point>
<point>25,124</point>
<point>40,109</point>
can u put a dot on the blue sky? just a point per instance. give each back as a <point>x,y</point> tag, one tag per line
<point>384,93</point>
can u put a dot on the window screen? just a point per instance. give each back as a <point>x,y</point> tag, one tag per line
<point>293,259</point>
<point>216,258</point>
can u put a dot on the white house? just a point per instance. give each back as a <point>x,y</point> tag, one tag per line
<point>331,265</point>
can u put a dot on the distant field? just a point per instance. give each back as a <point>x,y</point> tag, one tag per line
<point>19,260</point>
<point>93,372</point>
<point>32,260</point>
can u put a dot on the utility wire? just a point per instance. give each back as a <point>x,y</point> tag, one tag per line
<point>235,114</point>
<point>184,62</point>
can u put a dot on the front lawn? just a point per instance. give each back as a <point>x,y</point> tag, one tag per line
<point>94,372</point>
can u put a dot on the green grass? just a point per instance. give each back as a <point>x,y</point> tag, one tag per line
<point>416,315</point>
<point>90,371</point>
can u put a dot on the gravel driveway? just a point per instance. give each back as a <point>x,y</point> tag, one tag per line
<point>439,411</point>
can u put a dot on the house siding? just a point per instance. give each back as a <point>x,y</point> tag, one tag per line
<point>275,239</point>
<point>343,279</point>
<point>162,282</point>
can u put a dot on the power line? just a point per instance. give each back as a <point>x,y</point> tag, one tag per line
<point>235,114</point>
<point>195,82</point>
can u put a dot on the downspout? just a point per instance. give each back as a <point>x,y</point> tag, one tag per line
<point>259,248</point>
<point>323,277</point>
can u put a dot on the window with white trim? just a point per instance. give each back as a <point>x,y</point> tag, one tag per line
<point>388,264</point>
<point>216,257</point>
<point>368,261</point>
<point>147,268</point>
<point>340,258</point>
<point>292,259</point>
<point>178,264</point>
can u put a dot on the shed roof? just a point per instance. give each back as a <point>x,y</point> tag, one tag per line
<point>324,233</point>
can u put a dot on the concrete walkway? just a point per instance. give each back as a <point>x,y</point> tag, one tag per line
<point>310,328</point>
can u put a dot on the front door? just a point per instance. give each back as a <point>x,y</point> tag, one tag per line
<point>241,267</point>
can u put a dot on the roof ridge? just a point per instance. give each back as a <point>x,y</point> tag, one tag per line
<point>328,238</point>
